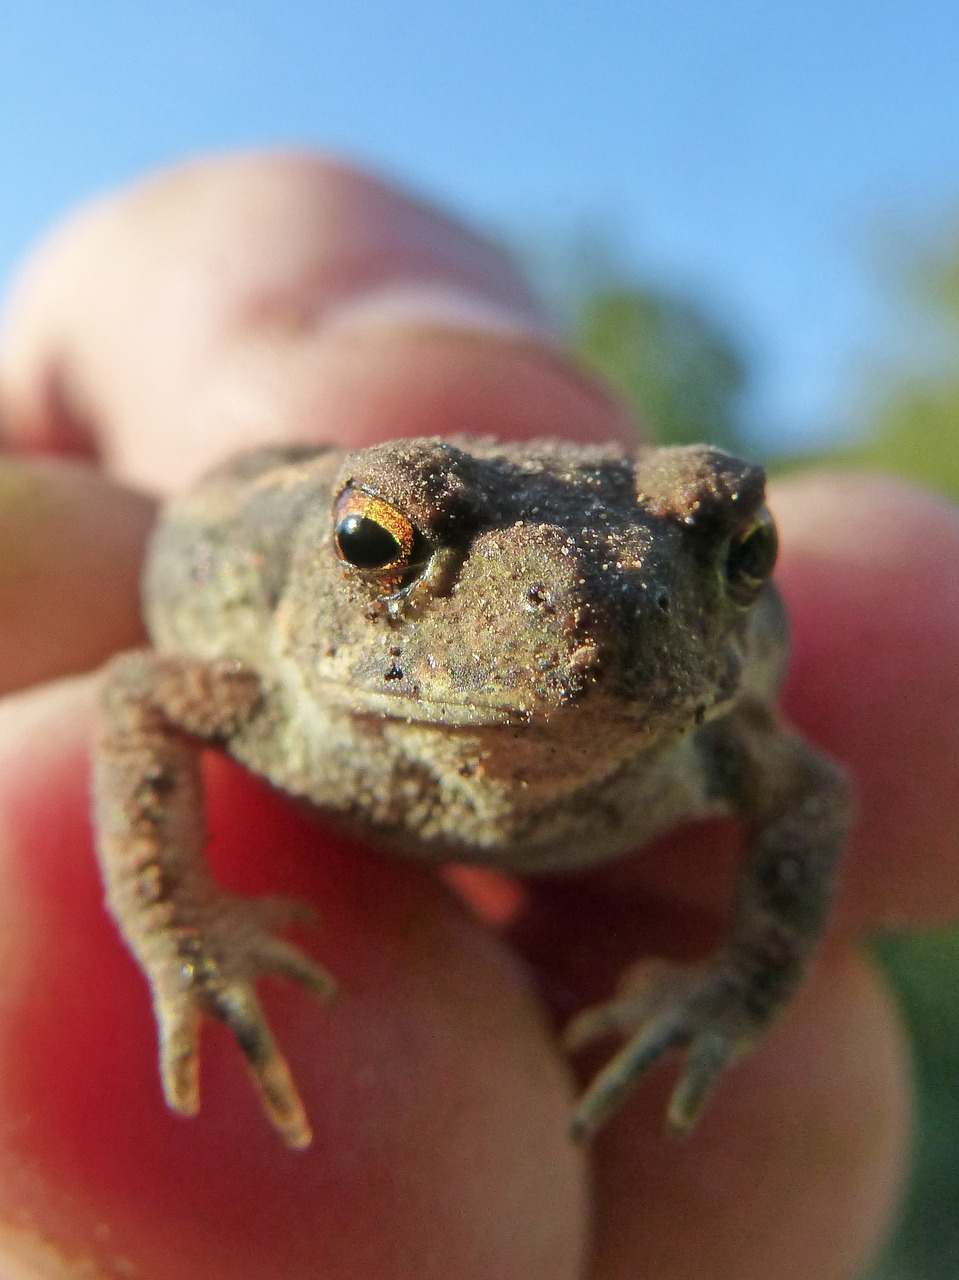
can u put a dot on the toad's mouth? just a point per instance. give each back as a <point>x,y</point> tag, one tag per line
<point>480,710</point>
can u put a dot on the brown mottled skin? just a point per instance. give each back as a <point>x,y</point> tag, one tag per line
<point>547,654</point>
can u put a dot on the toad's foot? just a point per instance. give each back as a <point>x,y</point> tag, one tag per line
<point>217,960</point>
<point>703,1009</point>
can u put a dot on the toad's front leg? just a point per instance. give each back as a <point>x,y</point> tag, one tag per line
<point>797,807</point>
<point>201,948</point>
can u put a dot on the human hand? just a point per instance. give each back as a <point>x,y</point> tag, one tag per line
<point>272,298</point>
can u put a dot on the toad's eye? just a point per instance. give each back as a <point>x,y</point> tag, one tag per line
<point>750,558</point>
<point>375,538</point>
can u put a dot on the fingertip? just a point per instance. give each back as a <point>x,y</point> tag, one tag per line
<point>71,543</point>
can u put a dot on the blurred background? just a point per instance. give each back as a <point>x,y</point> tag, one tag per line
<point>746,215</point>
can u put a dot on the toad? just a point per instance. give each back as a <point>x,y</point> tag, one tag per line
<point>533,657</point>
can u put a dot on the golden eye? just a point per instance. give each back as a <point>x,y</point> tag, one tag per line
<point>750,558</point>
<point>375,538</point>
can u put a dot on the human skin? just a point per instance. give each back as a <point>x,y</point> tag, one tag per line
<point>272,298</point>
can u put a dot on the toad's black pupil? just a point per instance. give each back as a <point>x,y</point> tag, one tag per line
<point>366,544</point>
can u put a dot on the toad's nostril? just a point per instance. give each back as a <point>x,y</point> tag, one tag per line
<point>539,599</point>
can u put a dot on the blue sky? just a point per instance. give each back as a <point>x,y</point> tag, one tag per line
<point>753,152</point>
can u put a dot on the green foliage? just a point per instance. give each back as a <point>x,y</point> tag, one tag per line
<point>668,358</point>
<point>917,434</point>
<point>911,425</point>
<point>923,971</point>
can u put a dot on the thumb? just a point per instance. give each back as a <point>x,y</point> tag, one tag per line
<point>264,298</point>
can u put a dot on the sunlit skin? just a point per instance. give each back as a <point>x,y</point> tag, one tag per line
<point>280,298</point>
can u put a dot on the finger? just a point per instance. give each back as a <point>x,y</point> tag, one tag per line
<point>797,1165</point>
<point>871,577</point>
<point>432,1082</point>
<point>266,298</point>
<point>70,550</point>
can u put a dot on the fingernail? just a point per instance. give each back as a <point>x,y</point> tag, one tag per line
<point>445,307</point>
